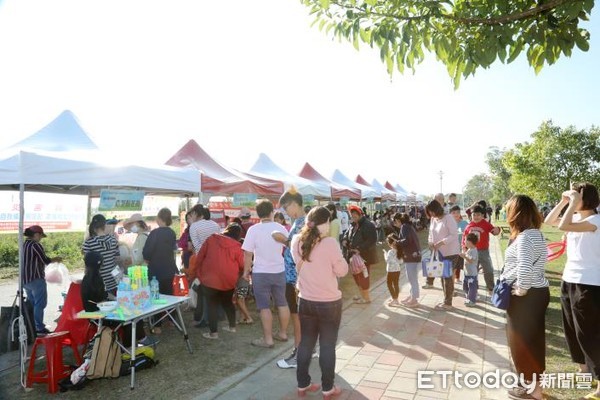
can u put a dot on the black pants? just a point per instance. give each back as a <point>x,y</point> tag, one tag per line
<point>526,331</point>
<point>214,298</point>
<point>392,284</point>
<point>448,283</point>
<point>581,322</point>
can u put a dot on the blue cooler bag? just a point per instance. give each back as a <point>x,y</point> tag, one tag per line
<point>434,268</point>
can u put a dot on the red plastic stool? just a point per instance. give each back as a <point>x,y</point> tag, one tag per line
<point>55,368</point>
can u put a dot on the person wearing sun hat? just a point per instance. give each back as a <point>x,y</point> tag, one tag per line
<point>361,239</point>
<point>33,277</point>
<point>135,224</point>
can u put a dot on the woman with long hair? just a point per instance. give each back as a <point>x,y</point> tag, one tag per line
<point>580,289</point>
<point>320,263</point>
<point>524,262</point>
<point>335,226</point>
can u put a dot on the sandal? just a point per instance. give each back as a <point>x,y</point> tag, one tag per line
<point>362,301</point>
<point>279,338</point>
<point>334,392</point>
<point>245,322</point>
<point>261,343</point>
<point>443,307</point>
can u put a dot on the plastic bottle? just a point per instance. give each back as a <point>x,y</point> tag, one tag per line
<point>154,295</point>
<point>365,272</point>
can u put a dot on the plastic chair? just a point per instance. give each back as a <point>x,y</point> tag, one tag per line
<point>81,331</point>
<point>55,370</point>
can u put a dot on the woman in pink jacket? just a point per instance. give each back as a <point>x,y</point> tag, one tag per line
<point>320,263</point>
<point>218,265</point>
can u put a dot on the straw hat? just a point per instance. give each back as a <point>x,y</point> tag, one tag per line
<point>137,217</point>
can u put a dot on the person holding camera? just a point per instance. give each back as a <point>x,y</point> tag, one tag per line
<point>580,288</point>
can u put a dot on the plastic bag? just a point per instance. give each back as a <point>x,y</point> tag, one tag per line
<point>57,273</point>
<point>193,295</point>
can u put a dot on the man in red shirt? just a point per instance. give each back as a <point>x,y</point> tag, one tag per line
<point>482,228</point>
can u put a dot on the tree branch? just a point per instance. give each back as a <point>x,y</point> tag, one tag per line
<point>501,20</point>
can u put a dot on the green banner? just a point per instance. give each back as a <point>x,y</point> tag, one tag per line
<point>244,199</point>
<point>121,200</point>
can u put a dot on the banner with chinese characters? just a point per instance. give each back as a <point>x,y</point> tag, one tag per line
<point>53,212</point>
<point>121,200</point>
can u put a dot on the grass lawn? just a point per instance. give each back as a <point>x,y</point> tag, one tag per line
<point>558,359</point>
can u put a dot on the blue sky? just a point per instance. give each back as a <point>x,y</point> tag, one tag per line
<point>145,76</point>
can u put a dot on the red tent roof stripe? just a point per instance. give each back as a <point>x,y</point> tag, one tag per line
<point>219,179</point>
<point>337,190</point>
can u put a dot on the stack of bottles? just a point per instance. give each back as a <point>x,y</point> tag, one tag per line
<point>133,292</point>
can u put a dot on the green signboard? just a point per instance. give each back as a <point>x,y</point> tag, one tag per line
<point>244,199</point>
<point>121,200</point>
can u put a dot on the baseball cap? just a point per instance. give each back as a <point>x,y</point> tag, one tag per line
<point>33,229</point>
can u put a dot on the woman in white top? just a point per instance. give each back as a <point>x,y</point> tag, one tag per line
<point>524,262</point>
<point>443,239</point>
<point>580,289</point>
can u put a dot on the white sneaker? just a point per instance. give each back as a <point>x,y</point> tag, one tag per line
<point>289,362</point>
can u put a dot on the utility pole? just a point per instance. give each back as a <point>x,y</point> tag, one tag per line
<point>441,178</point>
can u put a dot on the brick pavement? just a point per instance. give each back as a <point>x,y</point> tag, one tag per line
<point>380,349</point>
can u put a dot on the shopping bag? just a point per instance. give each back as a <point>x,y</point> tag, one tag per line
<point>501,294</point>
<point>357,264</point>
<point>434,268</point>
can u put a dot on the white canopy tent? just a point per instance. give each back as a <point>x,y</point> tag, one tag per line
<point>61,158</point>
<point>365,191</point>
<point>264,167</point>
<point>386,194</point>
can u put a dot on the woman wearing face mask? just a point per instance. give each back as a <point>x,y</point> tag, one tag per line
<point>135,224</point>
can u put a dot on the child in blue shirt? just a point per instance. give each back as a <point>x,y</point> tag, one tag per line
<point>470,284</point>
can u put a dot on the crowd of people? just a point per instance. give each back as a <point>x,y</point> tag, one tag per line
<point>295,270</point>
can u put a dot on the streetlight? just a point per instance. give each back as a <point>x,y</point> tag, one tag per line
<point>441,178</point>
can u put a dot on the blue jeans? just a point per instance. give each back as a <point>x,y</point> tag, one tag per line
<point>320,320</point>
<point>38,295</point>
<point>412,274</point>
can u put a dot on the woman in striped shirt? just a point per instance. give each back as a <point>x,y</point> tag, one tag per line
<point>107,246</point>
<point>524,262</point>
<point>34,282</point>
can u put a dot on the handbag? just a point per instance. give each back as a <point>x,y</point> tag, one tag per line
<point>503,290</point>
<point>434,268</point>
<point>357,264</point>
<point>501,293</point>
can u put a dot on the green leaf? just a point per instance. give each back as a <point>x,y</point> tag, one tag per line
<point>365,35</point>
<point>581,42</point>
<point>324,3</point>
<point>515,51</point>
<point>371,2</point>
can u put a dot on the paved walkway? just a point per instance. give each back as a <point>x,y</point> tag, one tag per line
<point>380,349</point>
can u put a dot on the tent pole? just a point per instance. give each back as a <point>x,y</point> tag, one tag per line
<point>22,329</point>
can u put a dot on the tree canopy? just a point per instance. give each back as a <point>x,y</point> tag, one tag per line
<point>555,158</point>
<point>463,34</point>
